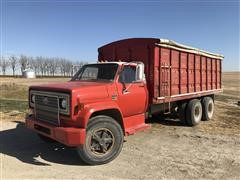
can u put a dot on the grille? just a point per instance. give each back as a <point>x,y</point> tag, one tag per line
<point>46,109</point>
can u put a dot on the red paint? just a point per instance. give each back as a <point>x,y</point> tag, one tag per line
<point>66,135</point>
<point>95,97</point>
<point>171,75</point>
<point>168,71</point>
<point>135,123</point>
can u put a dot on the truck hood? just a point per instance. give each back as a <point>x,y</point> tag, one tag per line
<point>85,90</point>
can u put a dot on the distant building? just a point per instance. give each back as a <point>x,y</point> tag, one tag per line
<point>29,73</point>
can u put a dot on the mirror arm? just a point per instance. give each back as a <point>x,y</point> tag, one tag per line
<point>124,86</point>
<point>125,90</point>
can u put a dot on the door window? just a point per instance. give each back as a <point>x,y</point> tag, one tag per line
<point>128,74</point>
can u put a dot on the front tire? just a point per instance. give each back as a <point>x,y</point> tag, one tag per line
<point>194,112</point>
<point>104,141</point>
<point>208,108</point>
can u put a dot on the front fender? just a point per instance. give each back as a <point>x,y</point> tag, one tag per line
<point>88,109</point>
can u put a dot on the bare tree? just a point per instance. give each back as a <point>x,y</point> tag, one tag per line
<point>53,64</point>
<point>1,58</point>
<point>34,64</point>
<point>68,67</point>
<point>13,62</point>
<point>76,66</point>
<point>4,64</point>
<point>44,65</point>
<point>23,61</point>
<point>41,64</point>
<point>47,66</point>
<point>63,66</point>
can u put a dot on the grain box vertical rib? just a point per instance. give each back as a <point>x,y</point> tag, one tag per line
<point>188,69</point>
<point>195,73</point>
<point>180,73</point>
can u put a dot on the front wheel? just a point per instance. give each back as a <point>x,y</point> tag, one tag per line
<point>104,141</point>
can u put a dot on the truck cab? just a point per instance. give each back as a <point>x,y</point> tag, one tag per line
<point>93,111</point>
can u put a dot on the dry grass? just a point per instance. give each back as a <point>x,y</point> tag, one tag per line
<point>17,88</point>
<point>14,94</point>
<point>231,84</point>
<point>13,91</point>
<point>29,82</point>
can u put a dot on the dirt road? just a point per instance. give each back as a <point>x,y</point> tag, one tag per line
<point>168,150</point>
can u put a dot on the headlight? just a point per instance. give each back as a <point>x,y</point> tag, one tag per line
<point>33,98</point>
<point>63,104</point>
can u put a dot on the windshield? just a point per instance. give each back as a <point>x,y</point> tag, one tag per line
<point>96,72</point>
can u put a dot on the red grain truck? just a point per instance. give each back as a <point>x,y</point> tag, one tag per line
<point>133,79</point>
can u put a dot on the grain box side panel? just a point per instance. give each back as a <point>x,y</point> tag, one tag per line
<point>156,83</point>
<point>146,54</point>
<point>214,82</point>
<point>197,73</point>
<point>150,70</point>
<point>203,74</point>
<point>164,72</point>
<point>219,73</point>
<point>183,73</point>
<point>143,54</point>
<point>190,73</point>
<point>209,73</point>
<point>175,71</point>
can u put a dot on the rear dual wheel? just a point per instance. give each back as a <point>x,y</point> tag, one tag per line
<point>193,112</point>
<point>190,113</point>
<point>208,108</point>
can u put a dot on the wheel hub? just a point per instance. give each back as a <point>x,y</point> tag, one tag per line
<point>102,141</point>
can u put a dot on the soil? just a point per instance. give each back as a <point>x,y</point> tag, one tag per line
<point>168,150</point>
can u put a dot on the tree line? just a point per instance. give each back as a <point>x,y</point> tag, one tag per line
<point>42,66</point>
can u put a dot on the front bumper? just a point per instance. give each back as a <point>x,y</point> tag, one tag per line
<point>69,136</point>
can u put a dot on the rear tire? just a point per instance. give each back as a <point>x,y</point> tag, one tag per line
<point>104,141</point>
<point>208,108</point>
<point>194,112</point>
<point>46,139</point>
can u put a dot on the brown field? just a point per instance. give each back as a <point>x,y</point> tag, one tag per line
<point>28,82</point>
<point>231,84</point>
<point>168,150</point>
<point>16,88</point>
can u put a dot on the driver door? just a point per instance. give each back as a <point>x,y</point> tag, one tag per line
<point>132,95</point>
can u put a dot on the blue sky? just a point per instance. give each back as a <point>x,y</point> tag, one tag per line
<point>75,29</point>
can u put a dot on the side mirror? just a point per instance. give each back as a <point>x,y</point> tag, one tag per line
<point>140,76</point>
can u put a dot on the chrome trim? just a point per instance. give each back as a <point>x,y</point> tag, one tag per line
<point>52,94</point>
<point>58,112</point>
